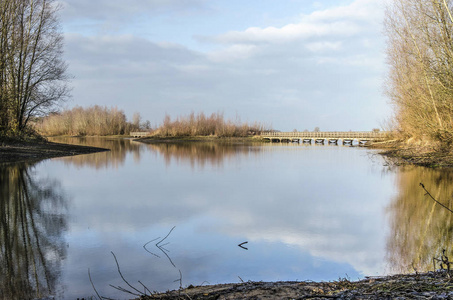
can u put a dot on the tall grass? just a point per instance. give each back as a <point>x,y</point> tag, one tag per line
<point>94,120</point>
<point>202,125</point>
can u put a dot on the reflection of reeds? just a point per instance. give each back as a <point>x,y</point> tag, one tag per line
<point>202,153</point>
<point>31,224</point>
<point>113,158</point>
<point>420,228</point>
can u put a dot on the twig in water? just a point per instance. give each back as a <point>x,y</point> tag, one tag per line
<point>427,193</point>
<point>161,247</point>
<point>241,245</point>
<point>92,284</point>
<point>144,246</point>
<point>179,279</point>
<point>443,260</point>
<point>157,244</point>
<point>146,288</point>
<point>122,277</point>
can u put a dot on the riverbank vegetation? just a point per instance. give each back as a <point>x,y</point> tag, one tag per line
<point>94,120</point>
<point>420,81</point>
<point>203,125</point>
<point>33,79</point>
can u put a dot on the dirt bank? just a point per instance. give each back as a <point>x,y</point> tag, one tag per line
<point>416,153</point>
<point>431,285</point>
<point>18,150</point>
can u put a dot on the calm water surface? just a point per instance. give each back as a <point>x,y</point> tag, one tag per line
<point>307,212</point>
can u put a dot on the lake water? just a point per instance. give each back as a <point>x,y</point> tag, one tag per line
<point>174,214</point>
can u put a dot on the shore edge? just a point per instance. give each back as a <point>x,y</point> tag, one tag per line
<point>14,150</point>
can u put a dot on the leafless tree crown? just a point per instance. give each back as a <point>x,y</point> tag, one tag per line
<point>420,56</point>
<point>33,75</point>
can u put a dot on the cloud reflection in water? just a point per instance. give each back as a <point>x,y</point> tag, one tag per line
<point>308,212</point>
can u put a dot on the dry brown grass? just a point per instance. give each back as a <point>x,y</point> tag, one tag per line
<point>202,125</point>
<point>79,121</point>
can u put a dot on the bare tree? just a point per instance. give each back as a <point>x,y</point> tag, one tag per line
<point>420,55</point>
<point>33,74</point>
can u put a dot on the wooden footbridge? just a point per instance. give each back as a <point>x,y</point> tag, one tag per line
<point>139,134</point>
<point>331,137</point>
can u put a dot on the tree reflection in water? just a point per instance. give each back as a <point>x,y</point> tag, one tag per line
<point>32,220</point>
<point>197,153</point>
<point>203,153</point>
<point>119,149</point>
<point>420,228</point>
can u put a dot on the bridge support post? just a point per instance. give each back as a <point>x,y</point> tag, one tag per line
<point>347,142</point>
<point>363,142</point>
<point>333,141</point>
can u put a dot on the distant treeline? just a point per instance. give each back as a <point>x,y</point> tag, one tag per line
<point>202,125</point>
<point>94,120</point>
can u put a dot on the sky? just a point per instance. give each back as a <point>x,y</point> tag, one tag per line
<point>287,64</point>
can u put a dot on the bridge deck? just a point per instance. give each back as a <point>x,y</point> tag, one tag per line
<point>138,134</point>
<point>328,135</point>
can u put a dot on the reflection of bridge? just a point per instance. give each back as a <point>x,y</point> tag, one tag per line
<point>347,137</point>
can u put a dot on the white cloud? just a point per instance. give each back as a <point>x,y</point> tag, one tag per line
<point>232,53</point>
<point>291,32</point>
<point>321,46</point>
<point>277,75</point>
<point>338,22</point>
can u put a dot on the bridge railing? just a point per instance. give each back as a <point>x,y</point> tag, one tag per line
<point>329,134</point>
<point>139,133</point>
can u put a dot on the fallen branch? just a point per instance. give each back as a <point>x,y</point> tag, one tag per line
<point>92,284</point>
<point>427,193</point>
<point>124,279</point>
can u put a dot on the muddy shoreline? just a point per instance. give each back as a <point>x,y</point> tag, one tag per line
<point>430,285</point>
<point>21,150</point>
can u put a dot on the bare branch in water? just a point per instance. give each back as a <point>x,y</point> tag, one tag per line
<point>161,247</point>
<point>146,288</point>
<point>122,277</point>
<point>427,193</point>
<point>165,237</point>
<point>144,246</point>
<point>124,290</point>
<point>92,284</point>
<point>241,245</point>
<point>179,279</point>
